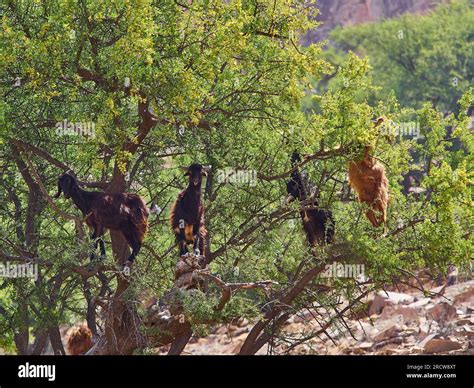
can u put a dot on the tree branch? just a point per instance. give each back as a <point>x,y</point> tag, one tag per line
<point>229,288</point>
<point>320,155</point>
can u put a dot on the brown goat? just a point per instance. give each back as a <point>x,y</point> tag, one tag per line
<point>79,340</point>
<point>187,213</point>
<point>124,212</point>
<point>367,178</point>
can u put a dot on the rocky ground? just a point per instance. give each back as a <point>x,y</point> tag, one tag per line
<point>395,323</point>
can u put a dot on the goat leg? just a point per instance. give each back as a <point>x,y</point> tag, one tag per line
<point>372,218</point>
<point>93,256</point>
<point>182,242</point>
<point>96,236</point>
<point>135,250</point>
<point>196,238</point>
<point>135,243</point>
<point>102,249</point>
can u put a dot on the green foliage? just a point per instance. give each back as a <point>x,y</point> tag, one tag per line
<point>420,58</point>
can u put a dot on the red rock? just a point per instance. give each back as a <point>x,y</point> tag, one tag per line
<point>383,298</point>
<point>442,313</point>
<point>407,314</point>
<point>428,338</point>
<point>420,303</point>
<point>465,321</point>
<point>377,305</point>
<point>466,297</point>
<point>469,334</point>
<point>390,332</point>
<point>441,346</point>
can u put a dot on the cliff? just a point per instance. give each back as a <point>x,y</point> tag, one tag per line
<point>335,13</point>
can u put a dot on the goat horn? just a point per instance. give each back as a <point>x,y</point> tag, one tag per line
<point>207,168</point>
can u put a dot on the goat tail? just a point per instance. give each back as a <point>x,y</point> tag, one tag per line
<point>139,218</point>
<point>142,227</point>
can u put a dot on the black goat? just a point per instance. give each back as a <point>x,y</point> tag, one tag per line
<point>124,212</point>
<point>317,223</point>
<point>187,213</point>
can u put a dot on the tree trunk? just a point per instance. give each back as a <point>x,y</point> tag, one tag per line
<point>56,343</point>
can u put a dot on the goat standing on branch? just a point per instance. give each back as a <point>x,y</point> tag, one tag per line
<point>187,213</point>
<point>317,223</point>
<point>124,212</point>
<point>367,177</point>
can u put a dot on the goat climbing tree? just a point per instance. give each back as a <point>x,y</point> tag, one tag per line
<point>123,93</point>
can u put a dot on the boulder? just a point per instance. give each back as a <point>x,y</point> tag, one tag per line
<point>465,298</point>
<point>390,341</point>
<point>390,332</point>
<point>442,313</point>
<point>385,298</point>
<point>400,314</point>
<point>440,346</point>
<point>397,297</point>
<point>428,338</point>
<point>420,303</point>
<point>465,321</point>
<point>377,305</point>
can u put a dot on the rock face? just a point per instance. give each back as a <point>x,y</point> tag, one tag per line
<point>335,13</point>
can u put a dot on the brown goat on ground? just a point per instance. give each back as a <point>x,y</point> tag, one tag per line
<point>78,340</point>
<point>367,178</point>
<point>187,213</point>
<point>124,212</point>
